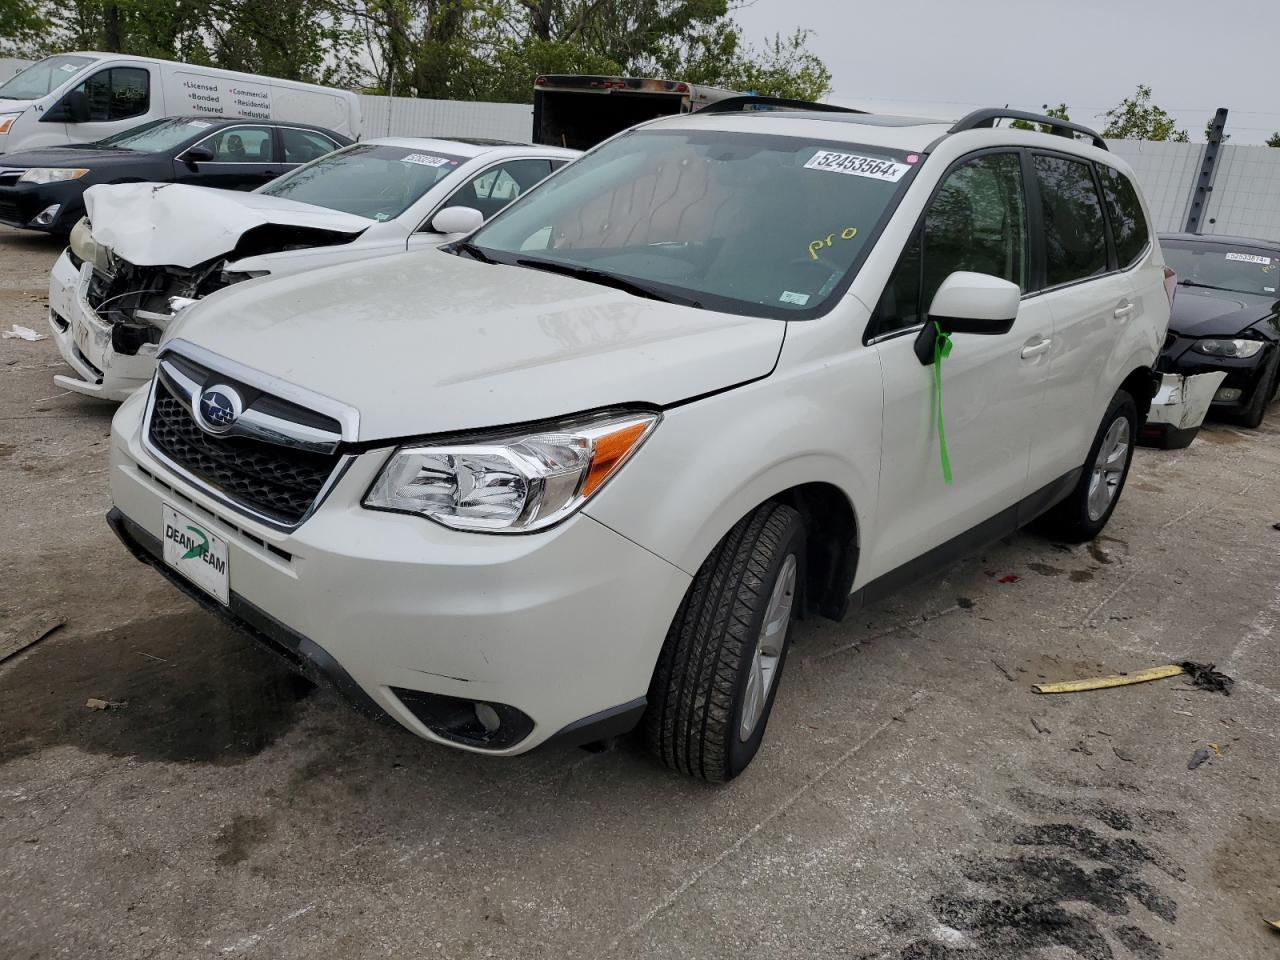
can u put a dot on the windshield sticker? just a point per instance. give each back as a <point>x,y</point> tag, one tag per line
<point>426,159</point>
<point>848,233</point>
<point>1248,258</point>
<point>857,166</point>
<point>199,124</point>
<point>799,299</point>
<point>69,67</point>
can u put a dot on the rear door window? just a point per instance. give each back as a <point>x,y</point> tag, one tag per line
<point>1074,232</point>
<point>1128,223</point>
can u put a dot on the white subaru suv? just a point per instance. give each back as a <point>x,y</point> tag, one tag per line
<point>581,471</point>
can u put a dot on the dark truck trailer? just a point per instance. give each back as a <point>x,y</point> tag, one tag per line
<point>579,111</point>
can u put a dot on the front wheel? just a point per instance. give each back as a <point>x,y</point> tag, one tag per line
<point>1083,514</point>
<point>1263,393</point>
<point>717,675</point>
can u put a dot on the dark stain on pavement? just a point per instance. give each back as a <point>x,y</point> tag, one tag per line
<point>184,688</point>
<point>1025,902</point>
<point>238,839</point>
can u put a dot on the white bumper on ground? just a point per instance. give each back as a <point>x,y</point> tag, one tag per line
<point>562,625</point>
<point>84,340</point>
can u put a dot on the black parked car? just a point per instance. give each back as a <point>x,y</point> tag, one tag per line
<point>1226,316</point>
<point>43,189</point>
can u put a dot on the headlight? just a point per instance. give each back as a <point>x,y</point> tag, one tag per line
<point>510,482</point>
<point>1237,349</point>
<point>6,121</point>
<point>82,243</point>
<point>52,174</point>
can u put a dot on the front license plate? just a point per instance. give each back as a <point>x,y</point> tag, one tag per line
<point>196,553</point>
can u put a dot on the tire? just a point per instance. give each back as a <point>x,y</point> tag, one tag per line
<point>1077,519</point>
<point>1252,416</point>
<point>703,684</point>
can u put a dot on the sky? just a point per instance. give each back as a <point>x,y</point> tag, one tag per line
<point>932,55</point>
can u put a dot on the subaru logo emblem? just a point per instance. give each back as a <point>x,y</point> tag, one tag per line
<point>218,409</point>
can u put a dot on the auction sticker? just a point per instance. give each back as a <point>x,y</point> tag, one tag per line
<point>858,166</point>
<point>1249,258</point>
<point>426,159</point>
<point>196,554</point>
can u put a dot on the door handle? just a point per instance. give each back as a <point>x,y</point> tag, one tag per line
<point>1035,349</point>
<point>1124,311</point>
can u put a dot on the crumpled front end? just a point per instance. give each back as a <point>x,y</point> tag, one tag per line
<point>110,302</point>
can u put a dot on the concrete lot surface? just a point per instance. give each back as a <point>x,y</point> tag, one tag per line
<point>914,798</point>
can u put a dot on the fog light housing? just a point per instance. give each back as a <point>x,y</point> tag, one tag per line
<point>46,216</point>
<point>475,723</point>
<point>1228,395</point>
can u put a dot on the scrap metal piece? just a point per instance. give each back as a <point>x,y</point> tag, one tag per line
<point>1102,683</point>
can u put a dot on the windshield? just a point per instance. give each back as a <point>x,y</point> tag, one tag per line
<point>157,135</point>
<point>746,223</point>
<point>40,78</point>
<point>1224,266</point>
<point>368,179</point>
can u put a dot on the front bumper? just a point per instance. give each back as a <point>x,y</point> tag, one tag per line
<point>565,626</point>
<point>1245,375</point>
<point>84,340</point>
<point>1178,409</point>
<point>21,203</point>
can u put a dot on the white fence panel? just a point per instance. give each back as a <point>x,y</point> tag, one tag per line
<point>1245,201</point>
<point>410,117</point>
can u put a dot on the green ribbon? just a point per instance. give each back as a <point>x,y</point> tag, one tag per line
<point>941,350</point>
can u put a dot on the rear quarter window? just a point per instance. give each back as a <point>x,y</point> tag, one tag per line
<point>1124,210</point>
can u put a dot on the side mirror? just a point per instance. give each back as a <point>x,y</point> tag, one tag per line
<point>73,108</point>
<point>457,220</point>
<point>196,155</point>
<point>969,303</point>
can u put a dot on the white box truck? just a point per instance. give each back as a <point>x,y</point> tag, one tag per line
<point>83,97</point>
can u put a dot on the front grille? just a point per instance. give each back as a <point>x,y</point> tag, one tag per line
<point>278,482</point>
<point>9,211</point>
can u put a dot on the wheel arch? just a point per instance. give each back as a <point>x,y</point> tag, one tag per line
<point>1141,384</point>
<point>831,555</point>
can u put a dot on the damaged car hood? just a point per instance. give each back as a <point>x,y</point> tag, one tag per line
<point>427,342</point>
<point>1215,313</point>
<point>174,224</point>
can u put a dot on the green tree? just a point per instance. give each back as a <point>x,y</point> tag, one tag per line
<point>718,57</point>
<point>1058,113</point>
<point>1274,139</point>
<point>1137,118</point>
<point>1208,129</point>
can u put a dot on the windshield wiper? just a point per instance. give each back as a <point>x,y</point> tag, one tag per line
<point>469,248</point>
<point>605,279</point>
<point>1206,286</point>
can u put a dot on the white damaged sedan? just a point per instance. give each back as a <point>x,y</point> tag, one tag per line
<point>147,250</point>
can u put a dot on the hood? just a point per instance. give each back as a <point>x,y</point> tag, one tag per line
<point>173,224</point>
<point>1216,313</point>
<point>426,342</point>
<point>82,155</point>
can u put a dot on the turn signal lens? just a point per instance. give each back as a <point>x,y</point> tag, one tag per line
<point>510,482</point>
<point>6,121</point>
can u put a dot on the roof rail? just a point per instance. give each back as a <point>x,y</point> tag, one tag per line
<point>988,116</point>
<point>750,103</point>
